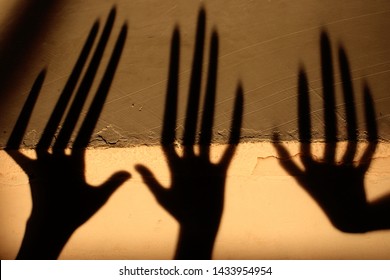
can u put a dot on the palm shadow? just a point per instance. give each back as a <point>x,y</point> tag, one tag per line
<point>337,186</point>
<point>62,199</point>
<point>195,197</point>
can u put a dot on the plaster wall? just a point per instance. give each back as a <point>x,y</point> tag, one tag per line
<point>267,215</point>
<point>262,46</point>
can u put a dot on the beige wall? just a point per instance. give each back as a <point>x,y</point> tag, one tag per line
<point>267,214</point>
<point>262,44</point>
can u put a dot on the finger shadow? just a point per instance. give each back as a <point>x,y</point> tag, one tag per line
<point>27,23</point>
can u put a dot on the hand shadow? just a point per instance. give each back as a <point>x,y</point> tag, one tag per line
<point>196,195</point>
<point>338,187</point>
<point>62,199</point>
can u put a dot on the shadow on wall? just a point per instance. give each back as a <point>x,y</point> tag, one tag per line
<point>62,200</point>
<point>27,23</point>
<point>338,187</point>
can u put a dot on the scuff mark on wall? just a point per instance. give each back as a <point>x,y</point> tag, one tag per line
<point>109,135</point>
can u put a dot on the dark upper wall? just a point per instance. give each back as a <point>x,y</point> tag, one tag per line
<point>262,44</point>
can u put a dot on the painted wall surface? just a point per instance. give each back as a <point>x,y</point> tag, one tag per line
<point>267,215</point>
<point>262,44</point>
<point>279,52</point>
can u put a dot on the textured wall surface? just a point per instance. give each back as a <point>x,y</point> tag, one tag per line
<point>283,54</point>
<point>262,45</point>
<point>267,215</point>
